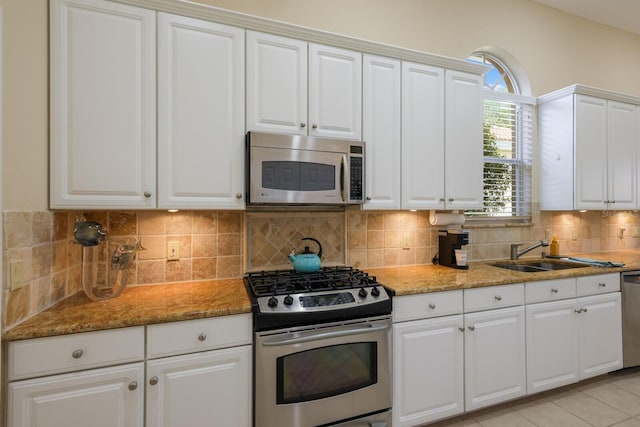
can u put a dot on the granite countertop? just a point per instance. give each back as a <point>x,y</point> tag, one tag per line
<point>137,305</point>
<point>143,305</point>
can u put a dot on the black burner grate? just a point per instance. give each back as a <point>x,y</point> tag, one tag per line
<point>282,282</point>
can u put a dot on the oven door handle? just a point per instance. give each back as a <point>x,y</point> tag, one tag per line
<point>325,335</point>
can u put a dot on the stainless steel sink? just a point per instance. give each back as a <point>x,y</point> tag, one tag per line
<point>538,266</point>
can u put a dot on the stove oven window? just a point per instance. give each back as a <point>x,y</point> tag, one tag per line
<point>326,371</point>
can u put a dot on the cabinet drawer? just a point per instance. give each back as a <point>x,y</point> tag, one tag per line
<point>493,297</point>
<point>411,307</point>
<point>598,284</point>
<point>64,353</point>
<point>197,335</point>
<point>549,290</point>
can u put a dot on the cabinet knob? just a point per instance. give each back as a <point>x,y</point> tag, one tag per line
<point>451,199</point>
<point>460,328</point>
<point>554,290</point>
<point>369,198</point>
<point>602,285</point>
<point>315,126</point>
<point>133,385</point>
<point>153,380</point>
<point>302,125</point>
<point>498,298</point>
<point>472,328</point>
<point>202,337</point>
<point>77,354</point>
<point>432,306</point>
<point>579,310</point>
<point>147,194</point>
<point>238,195</point>
<point>584,310</point>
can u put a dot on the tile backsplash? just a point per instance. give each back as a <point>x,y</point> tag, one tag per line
<point>225,244</point>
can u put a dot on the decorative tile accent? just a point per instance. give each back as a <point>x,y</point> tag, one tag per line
<point>271,237</point>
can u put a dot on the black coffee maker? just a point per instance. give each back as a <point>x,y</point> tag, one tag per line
<point>449,240</point>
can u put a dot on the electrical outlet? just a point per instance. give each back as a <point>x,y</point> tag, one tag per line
<point>574,235</point>
<point>16,275</point>
<point>173,251</point>
<point>547,234</point>
<point>621,231</point>
<point>635,232</point>
<point>406,241</point>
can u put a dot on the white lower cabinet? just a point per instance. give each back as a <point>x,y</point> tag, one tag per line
<point>106,397</point>
<point>577,338</point>
<point>201,389</point>
<point>428,370</point>
<point>494,356</point>
<point>98,378</point>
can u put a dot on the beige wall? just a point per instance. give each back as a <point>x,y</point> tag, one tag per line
<point>554,48</point>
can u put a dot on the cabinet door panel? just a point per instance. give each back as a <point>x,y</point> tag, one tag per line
<point>463,144</point>
<point>428,370</point>
<point>103,110</point>
<point>601,334</point>
<point>201,389</point>
<point>622,139</point>
<point>276,84</point>
<point>201,114</point>
<point>381,130</point>
<point>552,340</point>
<point>98,398</point>
<point>335,88</point>
<point>494,356</point>
<point>423,148</point>
<point>590,152</point>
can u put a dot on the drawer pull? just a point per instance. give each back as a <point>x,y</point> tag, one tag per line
<point>472,328</point>
<point>432,306</point>
<point>133,385</point>
<point>602,285</point>
<point>554,290</point>
<point>498,298</point>
<point>580,310</point>
<point>153,380</point>
<point>77,354</point>
<point>202,337</point>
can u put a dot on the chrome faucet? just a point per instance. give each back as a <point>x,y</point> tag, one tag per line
<point>515,253</point>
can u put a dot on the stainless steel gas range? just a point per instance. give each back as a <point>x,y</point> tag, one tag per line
<point>322,348</point>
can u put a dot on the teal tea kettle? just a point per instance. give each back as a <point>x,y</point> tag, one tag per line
<point>307,261</point>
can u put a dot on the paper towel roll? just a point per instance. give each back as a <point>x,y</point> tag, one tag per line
<point>445,218</point>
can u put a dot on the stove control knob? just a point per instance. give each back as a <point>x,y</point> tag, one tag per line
<point>362,293</point>
<point>273,301</point>
<point>288,300</point>
<point>375,291</point>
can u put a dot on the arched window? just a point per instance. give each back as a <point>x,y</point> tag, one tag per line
<point>508,134</point>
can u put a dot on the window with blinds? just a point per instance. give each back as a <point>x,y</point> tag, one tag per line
<point>508,141</point>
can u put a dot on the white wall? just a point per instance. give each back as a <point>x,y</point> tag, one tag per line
<point>555,49</point>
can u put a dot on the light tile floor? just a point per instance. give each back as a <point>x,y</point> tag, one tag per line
<point>607,400</point>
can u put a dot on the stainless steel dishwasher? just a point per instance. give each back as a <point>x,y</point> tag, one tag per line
<point>630,282</point>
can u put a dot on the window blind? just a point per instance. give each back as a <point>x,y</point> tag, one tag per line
<point>508,155</point>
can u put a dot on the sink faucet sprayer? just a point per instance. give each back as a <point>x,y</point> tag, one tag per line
<point>515,253</point>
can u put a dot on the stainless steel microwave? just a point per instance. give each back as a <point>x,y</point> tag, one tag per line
<point>300,170</point>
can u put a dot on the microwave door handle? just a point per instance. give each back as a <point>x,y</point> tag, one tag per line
<point>324,335</point>
<point>344,167</point>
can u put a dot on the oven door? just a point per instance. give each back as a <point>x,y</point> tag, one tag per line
<point>321,375</point>
<point>282,176</point>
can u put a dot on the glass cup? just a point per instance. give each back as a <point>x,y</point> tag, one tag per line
<point>461,257</point>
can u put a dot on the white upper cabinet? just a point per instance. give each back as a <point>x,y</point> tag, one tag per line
<point>441,138</point>
<point>103,105</point>
<point>200,114</point>
<point>335,92</point>
<point>588,144</point>
<point>276,84</point>
<point>422,136</point>
<point>280,73</point>
<point>381,131</point>
<point>463,167</point>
